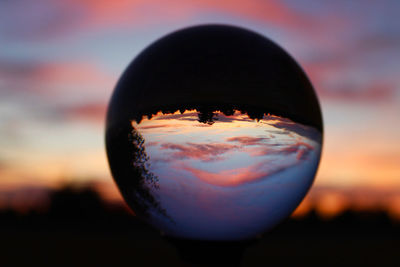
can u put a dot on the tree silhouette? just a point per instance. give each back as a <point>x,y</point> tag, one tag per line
<point>207,116</point>
<point>143,181</point>
<point>131,169</point>
<point>140,159</point>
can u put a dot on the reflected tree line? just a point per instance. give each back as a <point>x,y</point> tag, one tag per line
<point>131,170</point>
<point>206,113</point>
<point>144,180</point>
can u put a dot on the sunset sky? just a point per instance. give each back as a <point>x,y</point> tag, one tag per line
<point>60,60</point>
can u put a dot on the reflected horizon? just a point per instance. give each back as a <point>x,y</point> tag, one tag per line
<point>228,177</point>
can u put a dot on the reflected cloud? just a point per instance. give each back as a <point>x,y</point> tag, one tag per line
<point>237,116</point>
<point>277,142</point>
<point>158,126</point>
<point>301,148</point>
<point>299,129</point>
<point>247,140</point>
<point>233,177</point>
<point>239,176</point>
<point>203,152</point>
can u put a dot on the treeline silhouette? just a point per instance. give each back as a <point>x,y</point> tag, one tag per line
<point>72,208</point>
<point>78,228</point>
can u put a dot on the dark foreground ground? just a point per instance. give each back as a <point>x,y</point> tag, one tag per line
<point>78,230</point>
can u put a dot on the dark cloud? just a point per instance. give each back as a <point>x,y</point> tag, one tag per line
<point>15,68</point>
<point>152,143</point>
<point>42,19</point>
<point>50,78</point>
<point>270,117</point>
<point>302,150</point>
<point>24,197</point>
<point>354,91</point>
<point>336,73</point>
<point>302,130</point>
<point>21,76</point>
<point>303,153</point>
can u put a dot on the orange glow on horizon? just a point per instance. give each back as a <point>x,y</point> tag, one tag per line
<point>328,203</point>
<point>331,204</point>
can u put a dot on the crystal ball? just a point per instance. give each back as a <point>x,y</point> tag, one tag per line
<point>213,132</point>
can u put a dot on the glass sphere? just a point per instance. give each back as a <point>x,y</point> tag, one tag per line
<point>213,133</point>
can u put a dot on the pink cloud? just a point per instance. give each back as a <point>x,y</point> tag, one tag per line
<point>58,18</point>
<point>253,173</point>
<point>73,72</point>
<point>203,152</point>
<point>238,176</point>
<point>232,177</point>
<point>248,140</point>
<point>87,111</point>
<point>146,127</point>
<point>375,91</point>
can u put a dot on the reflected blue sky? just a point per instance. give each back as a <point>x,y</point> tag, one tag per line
<point>229,180</point>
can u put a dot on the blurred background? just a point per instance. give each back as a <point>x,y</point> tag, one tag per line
<point>60,60</point>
